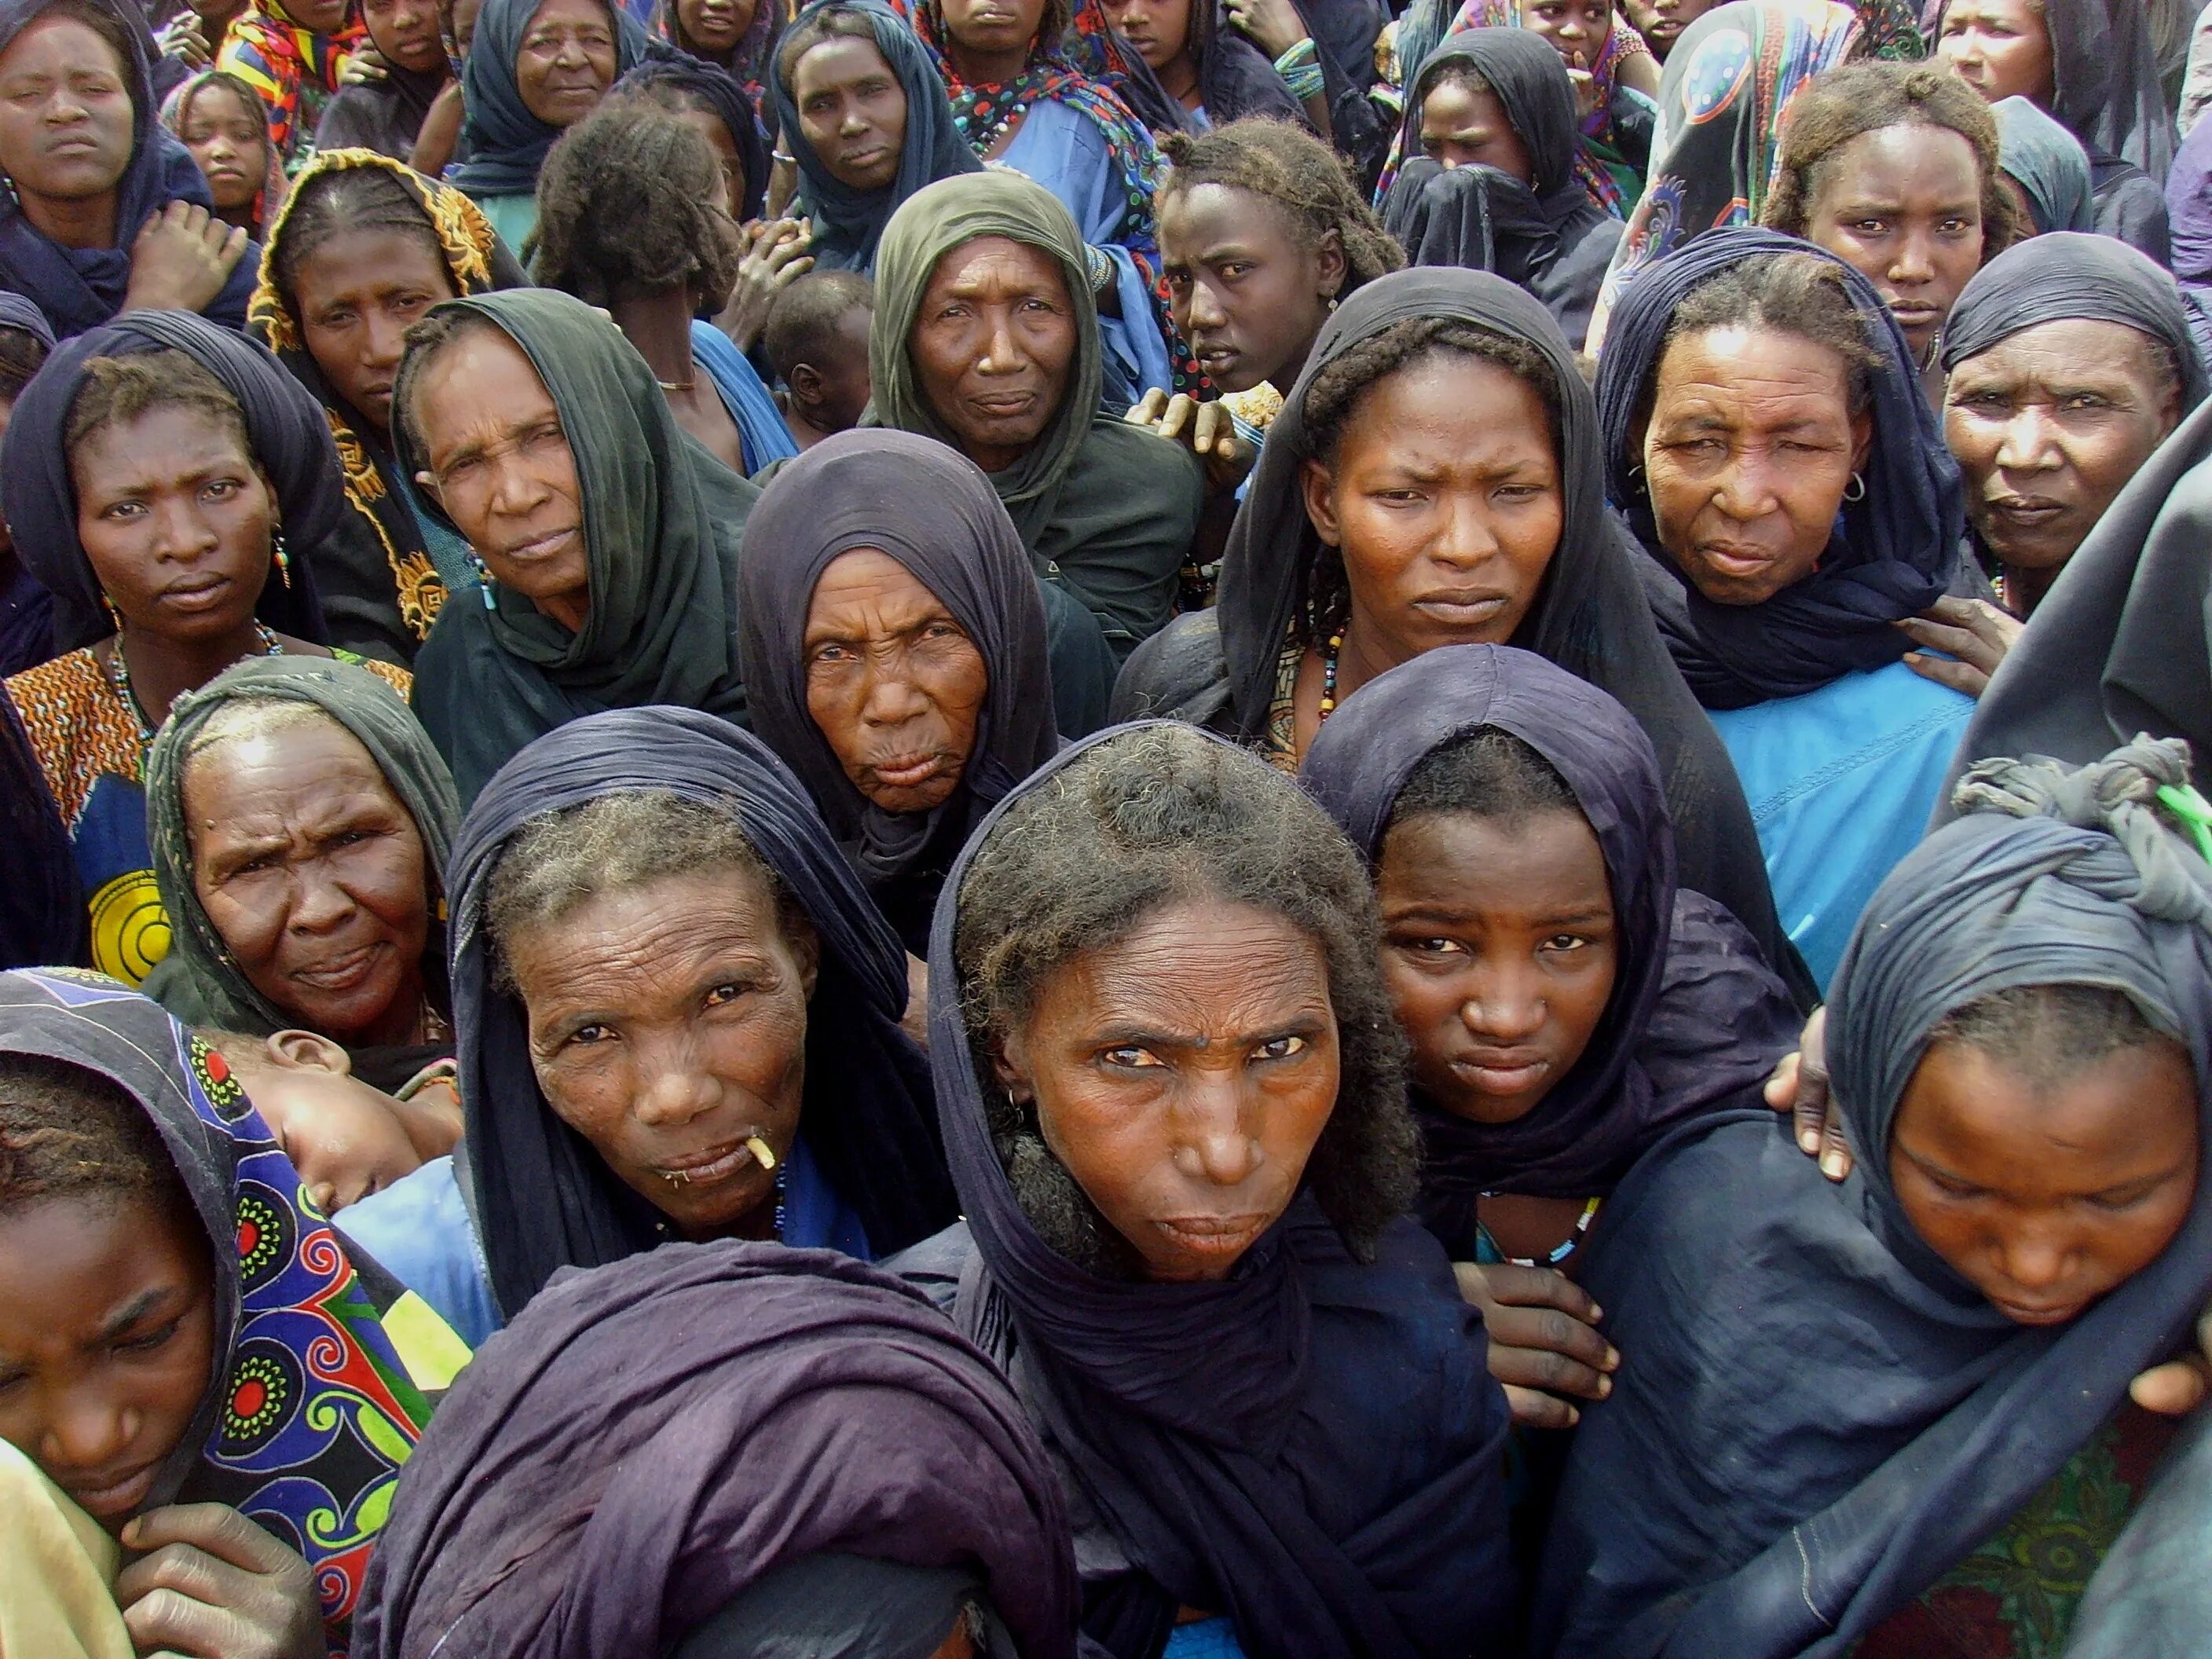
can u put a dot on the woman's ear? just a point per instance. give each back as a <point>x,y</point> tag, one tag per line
<point>1330,266</point>
<point>1318,484</point>
<point>806,949</point>
<point>1862,439</point>
<point>1010,1065</point>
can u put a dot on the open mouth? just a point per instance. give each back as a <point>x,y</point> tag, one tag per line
<point>716,1164</point>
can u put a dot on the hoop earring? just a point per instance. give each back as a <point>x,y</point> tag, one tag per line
<point>1856,490</point>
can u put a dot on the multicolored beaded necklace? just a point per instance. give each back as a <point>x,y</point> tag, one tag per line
<point>1328,676</point>
<point>118,676</point>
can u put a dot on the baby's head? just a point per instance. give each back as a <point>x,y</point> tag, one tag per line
<point>817,344</point>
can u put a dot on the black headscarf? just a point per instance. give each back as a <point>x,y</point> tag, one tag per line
<point>1547,236</point>
<point>2105,85</point>
<point>1894,552</point>
<point>1818,1417</point>
<point>284,426</point>
<point>663,523</point>
<point>849,224</point>
<point>2067,276</point>
<point>716,89</point>
<point>1207,1422</point>
<point>930,508</point>
<point>42,913</point>
<point>1589,615</point>
<point>1696,1021</point>
<point>648,1443</point>
<point>542,1198</point>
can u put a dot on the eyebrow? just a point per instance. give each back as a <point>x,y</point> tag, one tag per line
<point>121,1319</point>
<point>1145,1036</point>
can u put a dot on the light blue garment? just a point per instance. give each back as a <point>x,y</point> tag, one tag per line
<point>1841,781</point>
<point>418,1231</point>
<point>1206,1639</point>
<point>760,423</point>
<point>450,554</point>
<point>1063,149</point>
<point>513,216</point>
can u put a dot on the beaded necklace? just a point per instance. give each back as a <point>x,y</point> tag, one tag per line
<point>1329,676</point>
<point>119,677</point>
<point>1566,1246</point>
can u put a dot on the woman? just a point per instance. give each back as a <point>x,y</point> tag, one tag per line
<point>1189,1250</point>
<point>27,609</point>
<point>1929,1397</point>
<point>1106,510</point>
<point>2089,62</point>
<point>1461,384</point>
<point>719,110</point>
<point>216,117</point>
<point>300,822</point>
<point>806,1460</point>
<point>168,478</point>
<point>736,36</point>
<point>1661,23</point>
<point>895,645</point>
<point>1894,169</point>
<point>1785,539</point>
<point>2046,167</point>
<point>1018,100</point>
<point>1214,71</point>
<point>610,540</point>
<point>545,66</point>
<point>293,53</point>
<point>2070,362</point>
<point>119,219</point>
<point>387,115</point>
<point>662,867</point>
<point>1489,125</point>
<point>630,220</point>
<point>1567,1004</point>
<point>1729,79</point>
<point>197,1364</point>
<point>860,109</point>
<point>363,248</point>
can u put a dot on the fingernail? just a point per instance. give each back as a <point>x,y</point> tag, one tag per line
<point>1573,1416</point>
<point>1596,1312</point>
<point>1612,1360</point>
<point>1809,1140</point>
<point>1831,1166</point>
<point>1604,1383</point>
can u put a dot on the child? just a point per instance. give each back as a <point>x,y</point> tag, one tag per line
<point>817,344</point>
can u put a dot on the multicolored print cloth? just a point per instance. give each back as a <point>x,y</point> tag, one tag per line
<point>311,1411</point>
<point>292,71</point>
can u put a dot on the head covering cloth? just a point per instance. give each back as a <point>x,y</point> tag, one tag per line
<point>664,1437</point>
<point>1894,551</point>
<point>310,1412</point>
<point>1622,43</point>
<point>2048,163</point>
<point>732,102</point>
<point>2105,81</point>
<point>542,1198</point>
<point>27,609</point>
<point>749,61</point>
<point>177,109</point>
<point>503,145</point>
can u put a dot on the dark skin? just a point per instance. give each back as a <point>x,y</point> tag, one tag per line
<point>988,41</point>
<point>826,397</point>
<point>346,1140</point>
<point>356,294</point>
<point>406,33</point>
<point>1661,23</point>
<point>1160,30</point>
<point>659,323</point>
<point>852,110</point>
<point>1462,127</point>
<point>1578,31</point>
<point>993,344</point>
<point>567,61</point>
<point>230,141</point>
<point>1998,47</point>
<point>1246,288</point>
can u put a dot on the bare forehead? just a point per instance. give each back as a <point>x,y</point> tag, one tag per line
<point>997,261</point>
<point>2079,350</point>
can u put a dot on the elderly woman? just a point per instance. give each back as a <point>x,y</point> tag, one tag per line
<point>1766,435</point>
<point>300,821</point>
<point>609,538</point>
<point>170,483</point>
<point>1172,1101</point>
<point>363,248</point>
<point>2071,362</point>
<point>1928,1394</point>
<point>780,1452</point>
<point>119,218</point>
<point>678,1018</point>
<point>986,338</point>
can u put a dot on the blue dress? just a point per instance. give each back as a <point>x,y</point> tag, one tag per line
<point>760,423</point>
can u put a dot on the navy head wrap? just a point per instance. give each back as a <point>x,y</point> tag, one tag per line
<point>503,142</point>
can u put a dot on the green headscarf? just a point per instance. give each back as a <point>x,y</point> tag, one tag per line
<point>663,522</point>
<point>199,981</point>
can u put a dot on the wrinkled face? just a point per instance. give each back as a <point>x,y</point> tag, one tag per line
<point>2001,48</point>
<point>1443,498</point>
<point>710,126</point>
<point>567,61</point>
<point>715,26</point>
<point>668,1026</point>
<point>344,1138</point>
<point>357,293</point>
<point>176,519</point>
<point>501,468</point>
<point>406,31</point>
<point>893,682</point>
<point>1464,126</point>
<point>2048,426</point>
<point>230,141</point>
<point>992,25</point>
<point>851,109</point>
<point>1749,449</point>
<point>1499,949</point>
<point>1578,29</point>
<point>2047,1199</point>
<point>65,111</point>
<point>1661,23</point>
<point>1159,29</point>
<point>1245,289</point>
<point>993,341</point>
<point>107,1326</point>
<point>1182,1076</point>
<point>314,874</point>
<point>1903,208</point>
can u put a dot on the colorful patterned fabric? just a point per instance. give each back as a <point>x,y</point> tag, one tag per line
<point>1891,28</point>
<point>176,110</point>
<point>309,1411</point>
<point>292,70</point>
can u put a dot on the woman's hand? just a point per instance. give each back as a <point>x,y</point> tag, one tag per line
<point>1207,428</point>
<point>2178,1386</point>
<point>1543,1339</point>
<point>439,135</point>
<point>213,1585</point>
<point>1800,1085</point>
<point>1273,26</point>
<point>365,66</point>
<point>183,257</point>
<point>775,256</point>
<point>184,39</point>
<point>915,1021</point>
<point>1973,631</point>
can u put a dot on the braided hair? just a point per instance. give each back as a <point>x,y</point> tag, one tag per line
<point>1282,162</point>
<point>632,196</point>
<point>69,1133</point>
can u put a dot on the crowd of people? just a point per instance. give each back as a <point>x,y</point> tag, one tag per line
<point>1105,829</point>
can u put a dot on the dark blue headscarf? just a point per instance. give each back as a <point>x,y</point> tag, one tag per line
<point>1816,1416</point>
<point>80,288</point>
<point>1894,551</point>
<point>504,143</point>
<point>717,89</point>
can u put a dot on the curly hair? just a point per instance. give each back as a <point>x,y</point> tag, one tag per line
<point>343,199</point>
<point>633,197</point>
<point>1147,819</point>
<point>1799,294</point>
<point>69,1132</point>
<point>22,355</point>
<point>1338,391</point>
<point>1847,103</point>
<point>117,390</point>
<point>1289,167</point>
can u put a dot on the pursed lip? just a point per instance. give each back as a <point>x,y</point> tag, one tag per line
<point>540,547</point>
<point>2029,1313</point>
<point>908,772</point>
<point>1462,607</point>
<point>1003,404</point>
<point>340,973</point>
<point>2028,510</point>
<point>1736,560</point>
<point>861,159</point>
<point>201,592</point>
<point>104,1496</point>
<point>1214,1235</point>
<point>1502,1071</point>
